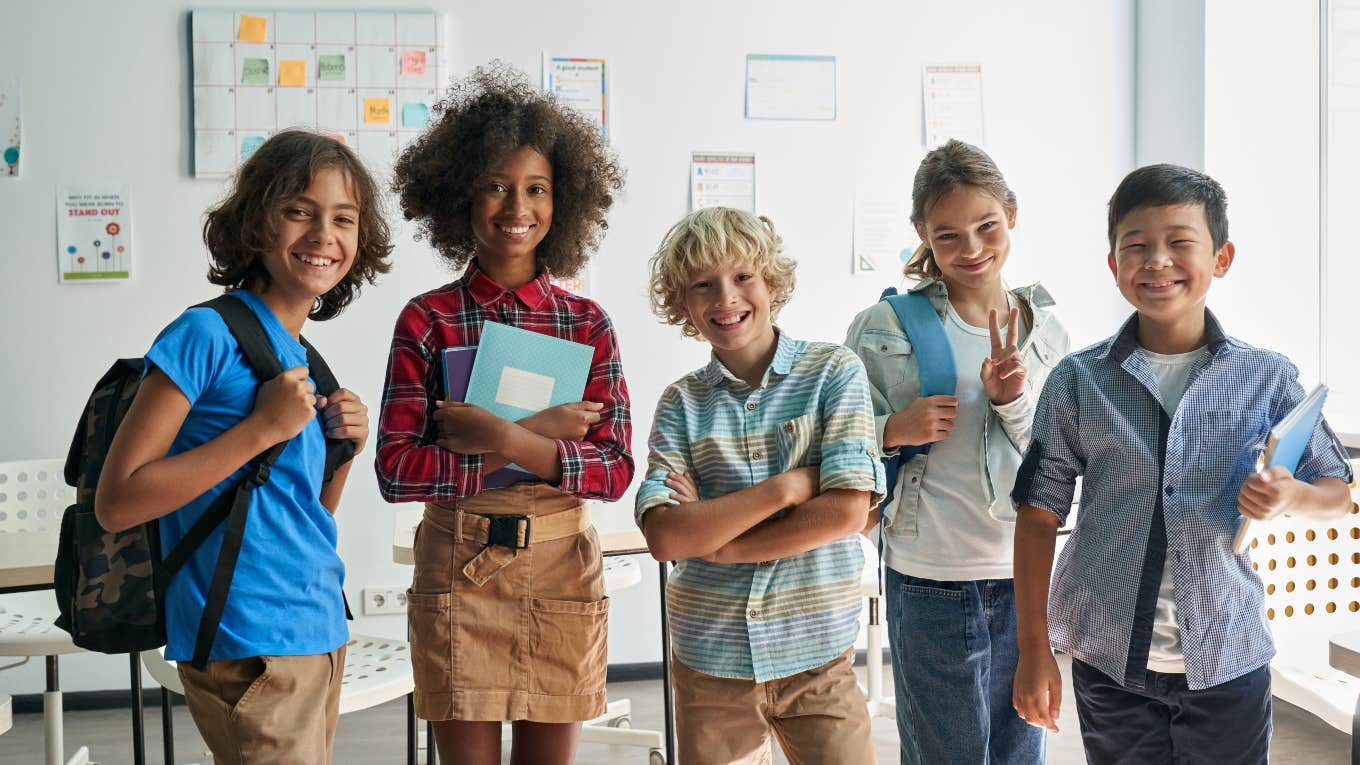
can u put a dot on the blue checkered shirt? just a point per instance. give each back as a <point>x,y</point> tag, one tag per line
<point>1154,486</point>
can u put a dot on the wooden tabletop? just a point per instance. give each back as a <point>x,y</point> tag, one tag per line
<point>26,560</point>
<point>1345,653</point>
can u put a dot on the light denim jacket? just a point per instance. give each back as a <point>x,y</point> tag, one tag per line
<point>878,338</point>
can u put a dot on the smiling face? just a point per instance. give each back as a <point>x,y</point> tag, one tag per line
<point>730,306</point>
<point>512,210</point>
<point>318,236</point>
<point>968,230</point>
<point>1164,261</point>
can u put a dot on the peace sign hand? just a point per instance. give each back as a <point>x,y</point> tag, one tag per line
<point>1003,374</point>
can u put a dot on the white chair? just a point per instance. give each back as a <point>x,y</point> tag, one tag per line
<point>33,495</point>
<point>6,713</point>
<point>1311,574</point>
<point>377,670</point>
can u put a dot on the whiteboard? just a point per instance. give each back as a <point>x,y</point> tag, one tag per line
<point>368,78</point>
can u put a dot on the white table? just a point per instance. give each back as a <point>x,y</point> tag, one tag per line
<point>1344,654</point>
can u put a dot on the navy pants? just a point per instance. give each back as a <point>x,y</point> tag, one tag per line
<point>1166,722</point>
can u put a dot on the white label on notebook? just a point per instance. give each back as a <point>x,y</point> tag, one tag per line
<point>524,390</point>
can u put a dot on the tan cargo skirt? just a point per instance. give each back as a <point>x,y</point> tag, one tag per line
<point>528,643</point>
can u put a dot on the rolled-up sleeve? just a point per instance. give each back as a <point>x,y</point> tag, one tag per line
<point>849,454</point>
<point>668,451</point>
<point>1054,458</point>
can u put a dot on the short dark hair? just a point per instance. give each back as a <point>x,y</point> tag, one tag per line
<point>245,224</point>
<point>1166,185</point>
<point>483,119</point>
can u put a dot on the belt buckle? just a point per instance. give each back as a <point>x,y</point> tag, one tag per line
<point>504,531</point>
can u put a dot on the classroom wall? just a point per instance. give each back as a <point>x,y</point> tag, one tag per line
<point>105,96</point>
<point>1169,83</point>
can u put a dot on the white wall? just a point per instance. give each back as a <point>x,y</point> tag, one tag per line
<point>106,96</point>
<point>1169,83</point>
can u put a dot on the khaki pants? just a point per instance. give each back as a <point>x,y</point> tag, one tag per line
<point>267,710</point>
<point>819,716</point>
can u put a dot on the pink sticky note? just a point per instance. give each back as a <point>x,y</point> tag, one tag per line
<point>413,63</point>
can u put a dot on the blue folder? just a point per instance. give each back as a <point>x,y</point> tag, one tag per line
<point>518,372</point>
<point>1285,446</point>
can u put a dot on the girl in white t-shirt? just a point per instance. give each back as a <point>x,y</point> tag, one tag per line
<point>948,526</point>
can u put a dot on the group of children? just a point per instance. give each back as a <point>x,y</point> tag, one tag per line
<point>763,468</point>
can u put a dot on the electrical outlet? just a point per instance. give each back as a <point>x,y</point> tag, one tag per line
<point>384,600</point>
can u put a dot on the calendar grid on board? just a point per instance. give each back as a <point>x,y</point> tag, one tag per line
<point>368,78</point>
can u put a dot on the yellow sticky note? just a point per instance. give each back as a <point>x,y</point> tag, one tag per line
<point>292,73</point>
<point>252,29</point>
<point>377,111</point>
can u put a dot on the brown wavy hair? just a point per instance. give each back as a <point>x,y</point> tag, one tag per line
<point>483,119</point>
<point>245,224</point>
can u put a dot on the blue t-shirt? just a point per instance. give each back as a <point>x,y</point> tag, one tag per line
<point>285,598</point>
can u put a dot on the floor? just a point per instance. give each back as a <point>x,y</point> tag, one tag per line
<point>377,735</point>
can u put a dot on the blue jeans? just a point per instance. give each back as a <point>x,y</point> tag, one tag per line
<point>954,654</point>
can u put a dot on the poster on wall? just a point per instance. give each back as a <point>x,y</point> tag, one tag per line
<point>722,180</point>
<point>790,87</point>
<point>11,127</point>
<point>883,236</point>
<point>952,104</point>
<point>94,233</point>
<point>368,79</point>
<point>581,84</point>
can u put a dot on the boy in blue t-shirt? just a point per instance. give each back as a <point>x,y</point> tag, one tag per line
<point>1164,421</point>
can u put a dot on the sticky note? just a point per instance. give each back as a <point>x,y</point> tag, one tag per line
<point>377,111</point>
<point>292,74</point>
<point>413,63</point>
<point>255,71</point>
<point>415,115</point>
<point>330,68</point>
<point>252,29</point>
<point>249,144</point>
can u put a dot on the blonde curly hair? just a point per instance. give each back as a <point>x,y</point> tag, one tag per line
<point>707,238</point>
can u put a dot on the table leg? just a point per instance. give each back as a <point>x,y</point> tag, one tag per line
<point>167,727</point>
<point>138,719</point>
<point>410,729</point>
<point>1355,734</point>
<point>431,751</point>
<point>52,716</point>
<point>671,757</point>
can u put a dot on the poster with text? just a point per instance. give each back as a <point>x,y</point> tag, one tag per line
<point>952,101</point>
<point>581,84</point>
<point>722,180</point>
<point>94,233</point>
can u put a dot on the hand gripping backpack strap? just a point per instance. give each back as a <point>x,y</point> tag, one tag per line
<point>338,450</point>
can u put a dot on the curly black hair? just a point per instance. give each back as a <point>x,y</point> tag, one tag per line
<point>483,119</point>
<point>245,224</point>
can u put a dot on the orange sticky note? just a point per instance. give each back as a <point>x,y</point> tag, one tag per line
<point>252,29</point>
<point>413,63</point>
<point>377,111</point>
<point>292,73</point>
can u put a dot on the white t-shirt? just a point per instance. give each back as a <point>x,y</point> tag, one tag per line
<point>958,539</point>
<point>1165,655</point>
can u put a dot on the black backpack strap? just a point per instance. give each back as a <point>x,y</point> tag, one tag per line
<point>250,335</point>
<point>338,450</point>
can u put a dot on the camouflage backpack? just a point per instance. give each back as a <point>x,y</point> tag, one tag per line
<point>110,586</point>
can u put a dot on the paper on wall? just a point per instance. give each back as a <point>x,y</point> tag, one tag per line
<point>722,180</point>
<point>952,104</point>
<point>94,233</point>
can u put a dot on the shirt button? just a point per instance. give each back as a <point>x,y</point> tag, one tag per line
<point>751,407</point>
<point>788,427</point>
<point>883,348</point>
<point>756,455</point>
<point>913,479</point>
<point>1169,490</point>
<point>753,613</point>
<point>763,563</point>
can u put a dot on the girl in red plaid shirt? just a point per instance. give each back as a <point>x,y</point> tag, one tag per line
<point>514,186</point>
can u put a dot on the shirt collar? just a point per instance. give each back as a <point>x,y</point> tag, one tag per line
<point>785,351</point>
<point>1126,340</point>
<point>486,291</point>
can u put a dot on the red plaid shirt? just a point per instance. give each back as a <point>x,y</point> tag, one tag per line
<point>412,468</point>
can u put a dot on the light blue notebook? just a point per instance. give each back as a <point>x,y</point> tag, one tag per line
<point>518,372</point>
<point>1285,446</point>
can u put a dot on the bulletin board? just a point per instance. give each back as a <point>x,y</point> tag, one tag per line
<point>368,78</point>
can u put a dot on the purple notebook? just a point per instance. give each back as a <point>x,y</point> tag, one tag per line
<point>457,369</point>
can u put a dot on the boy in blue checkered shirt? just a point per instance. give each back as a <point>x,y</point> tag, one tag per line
<point>1164,421</point>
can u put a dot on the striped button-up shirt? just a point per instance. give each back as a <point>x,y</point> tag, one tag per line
<point>766,621</point>
<point>412,468</point>
<point>1155,486</point>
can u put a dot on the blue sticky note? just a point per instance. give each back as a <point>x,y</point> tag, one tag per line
<point>415,115</point>
<point>249,144</point>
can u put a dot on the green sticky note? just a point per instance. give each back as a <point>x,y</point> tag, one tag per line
<point>330,68</point>
<point>415,115</point>
<point>255,71</point>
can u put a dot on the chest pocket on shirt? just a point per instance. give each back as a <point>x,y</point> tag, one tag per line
<point>886,357</point>
<point>794,440</point>
<point>1224,445</point>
